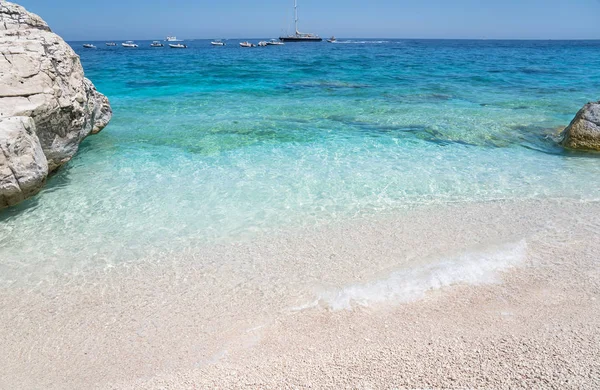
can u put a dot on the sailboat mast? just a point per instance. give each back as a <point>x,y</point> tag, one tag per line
<point>298,36</point>
<point>296,15</point>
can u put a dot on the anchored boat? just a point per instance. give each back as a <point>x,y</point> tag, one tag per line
<point>298,36</point>
<point>177,46</point>
<point>156,44</point>
<point>275,42</point>
<point>89,46</point>
<point>217,42</point>
<point>129,44</point>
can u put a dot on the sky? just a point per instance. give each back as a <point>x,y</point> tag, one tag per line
<point>451,19</point>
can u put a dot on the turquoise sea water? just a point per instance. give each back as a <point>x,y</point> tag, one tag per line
<point>214,144</point>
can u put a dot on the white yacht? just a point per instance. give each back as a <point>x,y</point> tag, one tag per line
<point>156,44</point>
<point>177,46</point>
<point>111,44</point>
<point>247,44</point>
<point>129,44</point>
<point>172,39</point>
<point>217,42</point>
<point>263,43</point>
<point>275,42</point>
<point>298,36</point>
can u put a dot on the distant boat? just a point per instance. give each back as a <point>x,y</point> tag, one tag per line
<point>111,44</point>
<point>275,42</point>
<point>177,46</point>
<point>156,44</point>
<point>263,43</point>
<point>332,40</point>
<point>129,44</point>
<point>172,39</point>
<point>298,36</point>
<point>217,43</point>
<point>89,46</point>
<point>247,44</point>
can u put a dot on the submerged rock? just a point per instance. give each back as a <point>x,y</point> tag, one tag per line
<point>584,130</point>
<point>41,78</point>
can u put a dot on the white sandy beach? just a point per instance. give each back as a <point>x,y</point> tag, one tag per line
<point>495,295</point>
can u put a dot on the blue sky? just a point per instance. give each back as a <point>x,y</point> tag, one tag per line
<point>154,19</point>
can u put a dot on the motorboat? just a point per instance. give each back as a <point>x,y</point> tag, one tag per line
<point>89,46</point>
<point>156,44</point>
<point>111,44</point>
<point>217,43</point>
<point>298,36</point>
<point>275,42</point>
<point>332,40</point>
<point>172,39</point>
<point>129,44</point>
<point>263,43</point>
<point>177,46</point>
<point>247,44</point>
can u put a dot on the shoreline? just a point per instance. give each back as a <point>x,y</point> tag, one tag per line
<point>193,319</point>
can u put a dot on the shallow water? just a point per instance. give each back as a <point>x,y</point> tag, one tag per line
<point>217,144</point>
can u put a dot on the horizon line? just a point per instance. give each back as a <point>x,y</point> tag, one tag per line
<point>401,39</point>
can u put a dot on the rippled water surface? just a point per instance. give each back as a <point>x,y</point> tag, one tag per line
<point>213,144</point>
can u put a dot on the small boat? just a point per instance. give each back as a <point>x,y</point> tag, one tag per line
<point>275,42</point>
<point>332,40</point>
<point>129,44</point>
<point>89,46</point>
<point>156,44</point>
<point>263,43</point>
<point>177,46</point>
<point>172,39</point>
<point>111,44</point>
<point>217,43</point>
<point>247,44</point>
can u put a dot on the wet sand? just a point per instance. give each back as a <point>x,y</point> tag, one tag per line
<point>495,295</point>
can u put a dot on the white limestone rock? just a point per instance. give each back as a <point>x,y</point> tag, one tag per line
<point>23,165</point>
<point>584,131</point>
<point>41,77</point>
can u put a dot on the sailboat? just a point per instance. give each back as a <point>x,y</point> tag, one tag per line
<point>298,36</point>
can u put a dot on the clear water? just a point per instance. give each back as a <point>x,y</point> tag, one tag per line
<point>213,144</point>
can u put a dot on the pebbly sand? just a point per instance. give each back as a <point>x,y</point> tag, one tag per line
<point>495,295</point>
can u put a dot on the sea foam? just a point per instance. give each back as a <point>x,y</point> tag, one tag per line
<point>474,268</point>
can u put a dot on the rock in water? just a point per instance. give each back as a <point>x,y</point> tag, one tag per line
<point>584,130</point>
<point>41,84</point>
<point>23,165</point>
